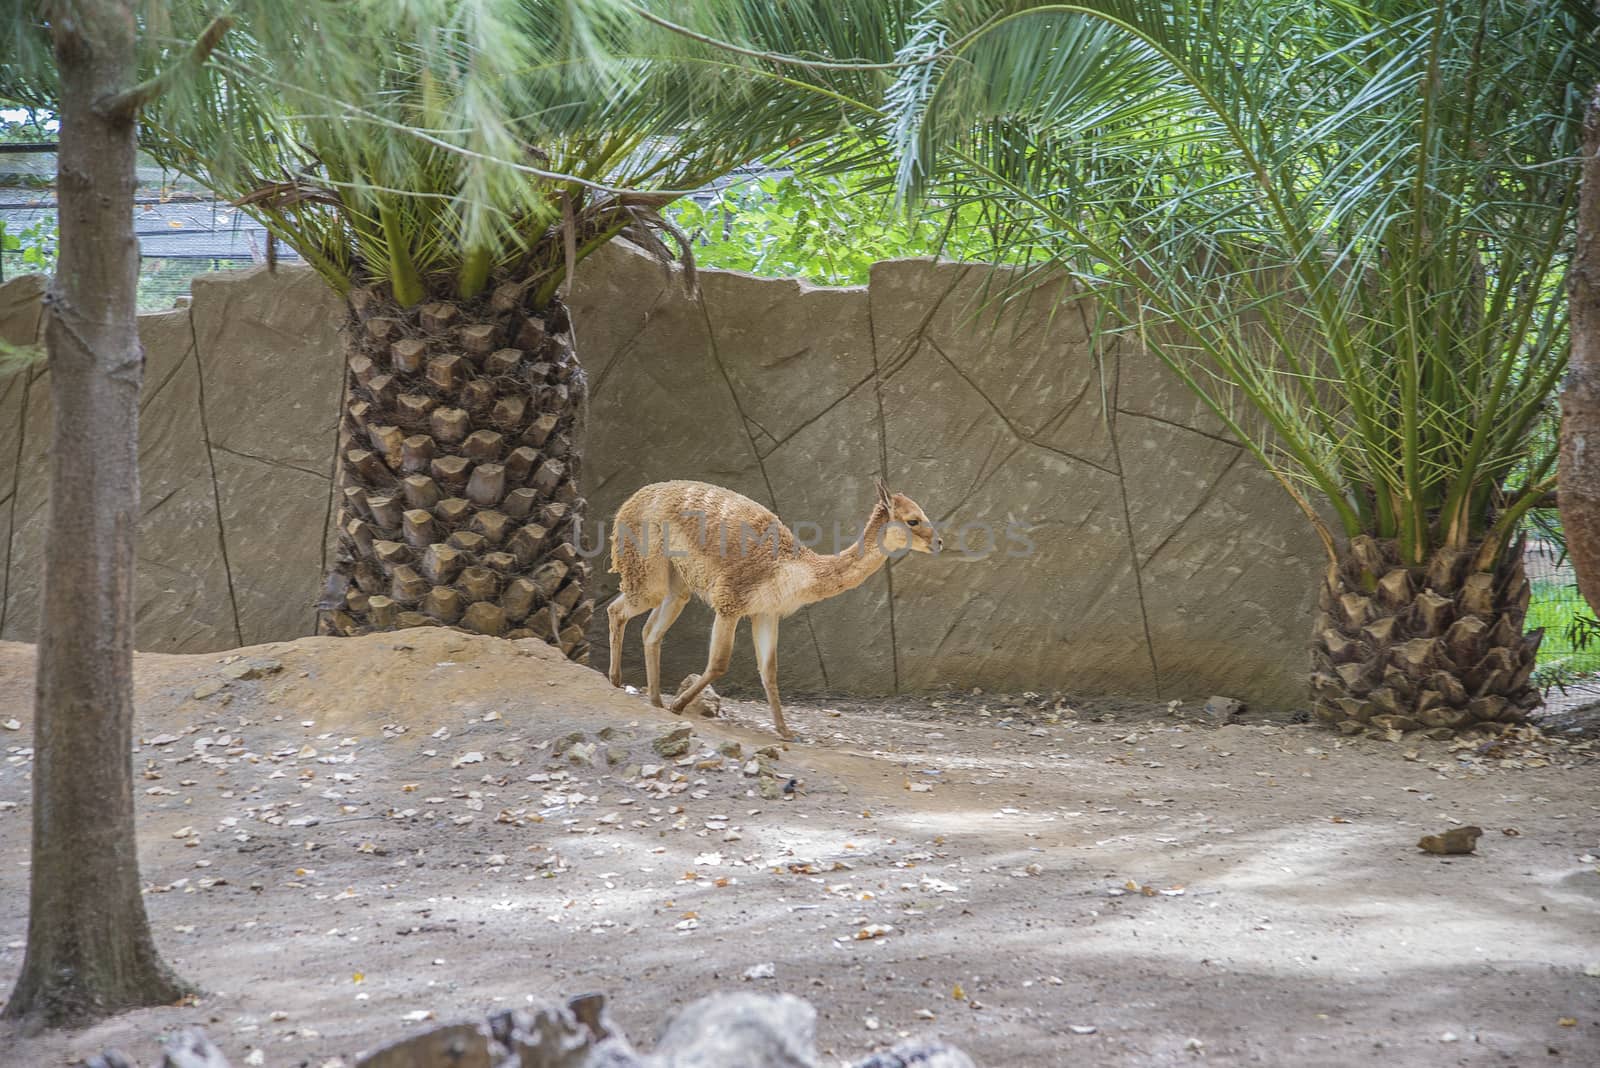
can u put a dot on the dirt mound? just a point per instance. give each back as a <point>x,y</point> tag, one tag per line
<point>342,838</point>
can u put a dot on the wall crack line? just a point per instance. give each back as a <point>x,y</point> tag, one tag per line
<point>883,464</point>
<point>747,422</point>
<point>1133,559</point>
<point>982,480</point>
<point>1205,499</point>
<point>909,349</point>
<point>1016,432</point>
<point>216,492</point>
<point>167,378</point>
<point>625,348</point>
<point>778,443</point>
<point>269,461</point>
<point>1180,426</point>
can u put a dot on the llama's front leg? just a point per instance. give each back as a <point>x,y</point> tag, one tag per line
<point>655,629</point>
<point>764,633</point>
<point>618,612</point>
<point>717,663</point>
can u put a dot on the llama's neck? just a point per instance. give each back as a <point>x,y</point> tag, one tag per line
<point>833,575</point>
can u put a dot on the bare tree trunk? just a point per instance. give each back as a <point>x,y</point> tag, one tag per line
<point>89,948</point>
<point>1579,471</point>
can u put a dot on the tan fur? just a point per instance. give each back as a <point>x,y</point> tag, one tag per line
<point>674,540</point>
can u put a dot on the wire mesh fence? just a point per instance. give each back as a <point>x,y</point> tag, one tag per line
<point>181,228</point>
<point>1569,656</point>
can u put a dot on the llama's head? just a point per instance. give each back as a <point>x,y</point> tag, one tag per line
<point>909,527</point>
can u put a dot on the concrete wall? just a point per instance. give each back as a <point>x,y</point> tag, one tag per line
<point>1164,563</point>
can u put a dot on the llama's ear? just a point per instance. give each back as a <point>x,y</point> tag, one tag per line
<point>883,492</point>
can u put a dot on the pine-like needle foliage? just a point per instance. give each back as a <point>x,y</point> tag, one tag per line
<point>434,145</point>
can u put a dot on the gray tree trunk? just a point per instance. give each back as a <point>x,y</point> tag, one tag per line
<point>1579,471</point>
<point>89,949</point>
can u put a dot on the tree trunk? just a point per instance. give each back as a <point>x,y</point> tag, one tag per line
<point>1409,648</point>
<point>1579,471</point>
<point>459,446</point>
<point>89,949</point>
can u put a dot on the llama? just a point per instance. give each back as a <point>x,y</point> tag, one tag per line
<point>672,540</point>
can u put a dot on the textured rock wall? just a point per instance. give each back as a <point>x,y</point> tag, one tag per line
<point>241,398</point>
<point>1163,562</point>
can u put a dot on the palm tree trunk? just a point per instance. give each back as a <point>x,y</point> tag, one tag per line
<point>1435,647</point>
<point>459,449</point>
<point>1579,472</point>
<point>89,951</point>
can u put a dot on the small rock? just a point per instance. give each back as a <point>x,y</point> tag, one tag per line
<point>252,668</point>
<point>730,749</point>
<point>761,971</point>
<point>582,753</point>
<point>649,771</point>
<point>566,741</point>
<point>1455,842</point>
<point>706,703</point>
<point>1439,734</point>
<point>1222,709</point>
<point>770,1030</point>
<point>770,787</point>
<point>1351,726</point>
<point>674,743</point>
<point>207,688</point>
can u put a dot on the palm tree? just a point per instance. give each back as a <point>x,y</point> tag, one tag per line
<point>505,145</point>
<point>1344,228</point>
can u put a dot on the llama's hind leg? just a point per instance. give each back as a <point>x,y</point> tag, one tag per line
<point>618,612</point>
<point>655,629</point>
<point>764,634</point>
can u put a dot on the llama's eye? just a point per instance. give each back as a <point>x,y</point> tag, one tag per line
<point>913,522</point>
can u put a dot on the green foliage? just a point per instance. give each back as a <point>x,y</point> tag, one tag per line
<point>442,146</point>
<point>33,246</point>
<point>1569,651</point>
<point>28,126</point>
<point>827,228</point>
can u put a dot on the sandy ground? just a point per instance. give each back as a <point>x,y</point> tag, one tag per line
<point>381,832</point>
